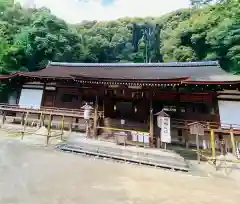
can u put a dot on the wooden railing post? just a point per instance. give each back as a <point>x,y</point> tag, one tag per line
<point>232,140</point>
<point>4,117</point>
<point>151,130</point>
<point>213,144</point>
<point>62,127</point>
<point>186,134</point>
<point>95,119</point>
<point>24,126</point>
<point>70,125</point>
<point>49,128</point>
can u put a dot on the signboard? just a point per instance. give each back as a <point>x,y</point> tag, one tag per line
<point>140,137</point>
<point>196,128</point>
<point>165,130</point>
<point>163,122</point>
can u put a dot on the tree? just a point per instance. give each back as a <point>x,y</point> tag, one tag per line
<point>48,38</point>
<point>29,38</point>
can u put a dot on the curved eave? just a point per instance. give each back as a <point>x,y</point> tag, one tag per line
<point>46,77</point>
<point>10,76</point>
<point>211,82</point>
<point>173,80</point>
<point>31,76</point>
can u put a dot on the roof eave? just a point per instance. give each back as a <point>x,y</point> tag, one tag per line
<point>172,80</point>
<point>211,82</point>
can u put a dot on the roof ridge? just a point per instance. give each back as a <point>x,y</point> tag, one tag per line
<point>132,64</point>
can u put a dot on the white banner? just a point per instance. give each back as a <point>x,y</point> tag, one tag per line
<point>165,130</point>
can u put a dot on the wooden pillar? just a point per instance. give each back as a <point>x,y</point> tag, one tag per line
<point>70,125</point>
<point>42,119</point>
<point>87,129</point>
<point>198,149</point>
<point>3,117</point>
<point>24,126</point>
<point>62,127</point>
<point>49,124</point>
<point>233,141</point>
<point>213,143</point>
<point>22,120</point>
<point>151,125</point>
<point>95,118</point>
<point>186,135</point>
<point>43,94</point>
<point>49,128</point>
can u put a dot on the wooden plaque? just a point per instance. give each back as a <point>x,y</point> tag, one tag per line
<point>196,128</point>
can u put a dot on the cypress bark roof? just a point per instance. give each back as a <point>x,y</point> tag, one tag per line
<point>187,72</point>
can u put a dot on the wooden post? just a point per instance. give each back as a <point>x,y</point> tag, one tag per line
<point>87,128</point>
<point>197,144</point>
<point>70,125</point>
<point>24,126</point>
<point>95,118</point>
<point>3,117</point>
<point>62,127</point>
<point>186,135</point>
<point>22,120</point>
<point>233,141</point>
<point>49,128</point>
<point>151,126</point>
<point>40,120</point>
<point>159,142</point>
<point>187,140</point>
<point>213,145</point>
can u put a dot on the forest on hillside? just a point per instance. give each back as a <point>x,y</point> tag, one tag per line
<point>29,38</point>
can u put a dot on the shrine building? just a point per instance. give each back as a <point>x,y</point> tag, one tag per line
<point>129,92</point>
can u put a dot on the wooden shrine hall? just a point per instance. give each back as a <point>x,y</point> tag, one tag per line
<point>128,95</point>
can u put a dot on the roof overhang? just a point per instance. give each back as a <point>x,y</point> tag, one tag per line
<point>132,80</point>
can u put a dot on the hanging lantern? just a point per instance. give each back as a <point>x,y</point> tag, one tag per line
<point>114,107</point>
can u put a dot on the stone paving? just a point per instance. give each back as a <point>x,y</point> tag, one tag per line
<point>158,157</point>
<point>43,176</point>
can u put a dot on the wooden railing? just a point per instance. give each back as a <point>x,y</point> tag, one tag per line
<point>218,127</point>
<point>78,113</point>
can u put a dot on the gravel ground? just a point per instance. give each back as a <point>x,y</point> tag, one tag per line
<point>38,175</point>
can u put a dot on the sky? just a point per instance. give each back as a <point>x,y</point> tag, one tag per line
<point>75,11</point>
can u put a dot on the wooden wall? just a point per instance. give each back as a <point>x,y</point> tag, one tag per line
<point>186,104</point>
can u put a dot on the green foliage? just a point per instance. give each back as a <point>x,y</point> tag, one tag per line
<point>29,38</point>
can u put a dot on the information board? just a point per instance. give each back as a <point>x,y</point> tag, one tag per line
<point>165,130</point>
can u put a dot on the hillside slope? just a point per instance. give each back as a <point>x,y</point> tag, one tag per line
<point>29,38</point>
